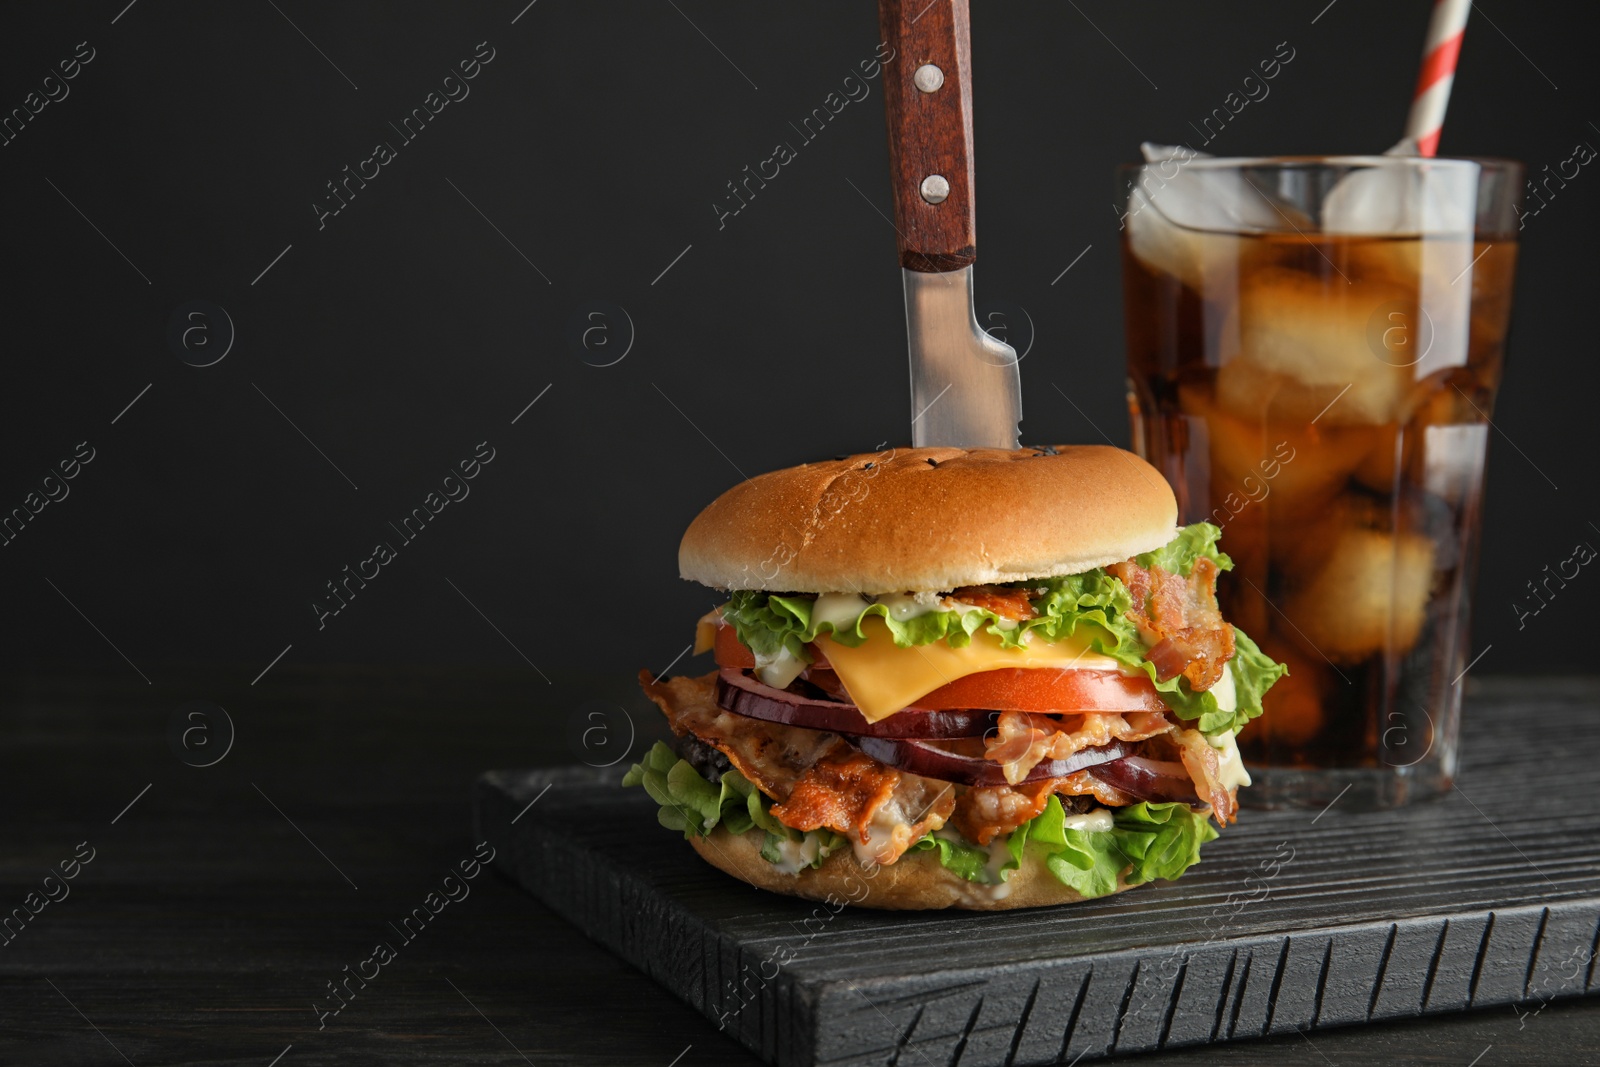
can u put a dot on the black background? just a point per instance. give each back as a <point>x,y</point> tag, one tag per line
<point>584,166</point>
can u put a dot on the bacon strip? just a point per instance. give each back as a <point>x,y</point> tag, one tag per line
<point>840,788</point>
<point>818,779</point>
<point>774,758</point>
<point>1200,759</point>
<point>1023,740</point>
<point>982,813</point>
<point>1004,601</point>
<point>856,795</point>
<point>1084,784</point>
<point>1181,614</point>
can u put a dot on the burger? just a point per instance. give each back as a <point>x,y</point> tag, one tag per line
<point>960,678</point>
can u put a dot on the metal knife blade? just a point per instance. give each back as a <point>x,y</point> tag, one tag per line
<point>966,388</point>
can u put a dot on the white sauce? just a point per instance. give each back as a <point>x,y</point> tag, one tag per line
<point>779,670</point>
<point>798,855</point>
<point>878,849</point>
<point>1096,821</point>
<point>906,606</point>
<point>979,891</point>
<point>999,856</point>
<point>840,609</point>
<point>1230,765</point>
<point>1227,696</point>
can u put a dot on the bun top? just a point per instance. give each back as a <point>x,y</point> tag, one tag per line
<point>934,519</point>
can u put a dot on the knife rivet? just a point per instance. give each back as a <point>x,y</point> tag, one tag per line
<point>935,188</point>
<point>928,78</point>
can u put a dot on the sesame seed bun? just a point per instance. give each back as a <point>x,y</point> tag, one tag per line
<point>931,519</point>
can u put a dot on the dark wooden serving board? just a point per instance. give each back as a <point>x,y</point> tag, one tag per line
<point>1295,921</point>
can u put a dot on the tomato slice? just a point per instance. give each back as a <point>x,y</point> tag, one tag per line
<point>729,651</point>
<point>1046,690</point>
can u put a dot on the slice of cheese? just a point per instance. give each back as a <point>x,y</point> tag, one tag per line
<point>705,633</point>
<point>883,678</point>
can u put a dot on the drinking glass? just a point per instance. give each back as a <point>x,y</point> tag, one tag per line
<point>1314,346</point>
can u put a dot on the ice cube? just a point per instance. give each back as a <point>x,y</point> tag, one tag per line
<point>1303,539</point>
<point>1436,203</point>
<point>1176,212</point>
<point>1294,468</point>
<point>1370,596</point>
<point>1313,462</point>
<point>1387,195</point>
<point>1310,348</point>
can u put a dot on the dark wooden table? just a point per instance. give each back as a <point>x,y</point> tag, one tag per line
<point>221,904</point>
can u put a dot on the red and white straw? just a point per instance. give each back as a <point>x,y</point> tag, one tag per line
<point>1438,73</point>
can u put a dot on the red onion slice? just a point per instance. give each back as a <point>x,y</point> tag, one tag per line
<point>743,695</point>
<point>928,761</point>
<point>1150,780</point>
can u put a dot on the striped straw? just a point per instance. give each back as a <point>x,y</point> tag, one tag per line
<point>1438,73</point>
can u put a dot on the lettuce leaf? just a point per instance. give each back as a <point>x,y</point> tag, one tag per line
<point>1178,555</point>
<point>968,861</point>
<point>1147,841</point>
<point>1161,840</point>
<point>693,805</point>
<point>1254,672</point>
<point>683,804</point>
<point>1094,602</point>
<point>1047,828</point>
<point>766,622</point>
<point>1089,862</point>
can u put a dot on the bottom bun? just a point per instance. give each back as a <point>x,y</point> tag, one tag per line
<point>917,881</point>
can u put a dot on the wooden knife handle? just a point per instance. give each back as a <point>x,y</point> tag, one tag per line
<point>930,133</point>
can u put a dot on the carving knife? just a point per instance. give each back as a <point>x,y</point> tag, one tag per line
<point>966,390</point>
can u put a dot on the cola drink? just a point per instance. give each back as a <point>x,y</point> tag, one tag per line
<point>1324,398</point>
